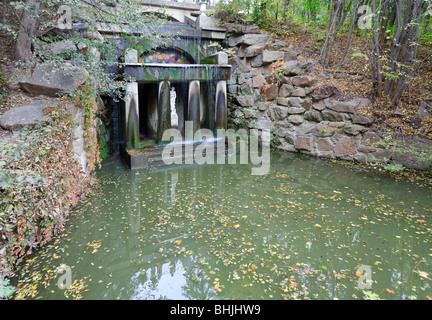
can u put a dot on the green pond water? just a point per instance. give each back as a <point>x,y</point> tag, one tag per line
<point>217,232</point>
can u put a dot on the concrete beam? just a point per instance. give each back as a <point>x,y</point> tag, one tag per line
<point>151,72</point>
<point>220,58</point>
<point>191,6</point>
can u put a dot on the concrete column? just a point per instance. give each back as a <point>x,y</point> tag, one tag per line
<point>203,103</point>
<point>203,6</point>
<point>194,105</point>
<point>164,109</point>
<point>211,112</point>
<point>173,101</point>
<point>221,105</point>
<point>132,106</point>
<point>132,115</point>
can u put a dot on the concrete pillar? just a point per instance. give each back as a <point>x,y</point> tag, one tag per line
<point>203,6</point>
<point>132,106</point>
<point>203,103</point>
<point>164,109</point>
<point>194,105</point>
<point>211,112</point>
<point>132,115</point>
<point>173,101</point>
<point>221,105</point>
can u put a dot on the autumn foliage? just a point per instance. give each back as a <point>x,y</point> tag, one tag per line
<point>40,180</point>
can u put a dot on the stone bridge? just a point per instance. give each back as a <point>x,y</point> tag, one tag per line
<point>182,61</point>
<point>178,10</point>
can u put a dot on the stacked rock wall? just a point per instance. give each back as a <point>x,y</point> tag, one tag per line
<point>272,88</point>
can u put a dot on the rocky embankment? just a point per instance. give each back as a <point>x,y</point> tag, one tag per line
<point>273,87</point>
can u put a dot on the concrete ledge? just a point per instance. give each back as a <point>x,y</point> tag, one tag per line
<point>151,72</point>
<point>171,4</point>
<point>151,157</point>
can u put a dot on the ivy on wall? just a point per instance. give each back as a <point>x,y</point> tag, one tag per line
<point>39,181</point>
<point>86,99</point>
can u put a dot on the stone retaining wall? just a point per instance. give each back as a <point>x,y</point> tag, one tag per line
<point>284,100</point>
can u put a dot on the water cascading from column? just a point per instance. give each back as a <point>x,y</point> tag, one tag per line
<point>164,109</point>
<point>194,106</point>
<point>132,115</point>
<point>221,105</point>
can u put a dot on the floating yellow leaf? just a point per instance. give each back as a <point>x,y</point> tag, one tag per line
<point>423,274</point>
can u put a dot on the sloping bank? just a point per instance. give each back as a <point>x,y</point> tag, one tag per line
<point>45,167</point>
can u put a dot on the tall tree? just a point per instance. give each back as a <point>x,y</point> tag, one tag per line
<point>350,32</point>
<point>375,53</point>
<point>401,60</point>
<point>384,21</point>
<point>331,32</point>
<point>285,11</point>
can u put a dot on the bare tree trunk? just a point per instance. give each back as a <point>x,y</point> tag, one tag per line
<point>4,11</point>
<point>384,21</point>
<point>410,47</point>
<point>400,40</point>
<point>28,22</point>
<point>263,6</point>
<point>376,51</point>
<point>392,17</point>
<point>344,13</point>
<point>395,49</point>
<point>331,35</point>
<point>285,10</point>
<point>329,16</point>
<point>350,33</point>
